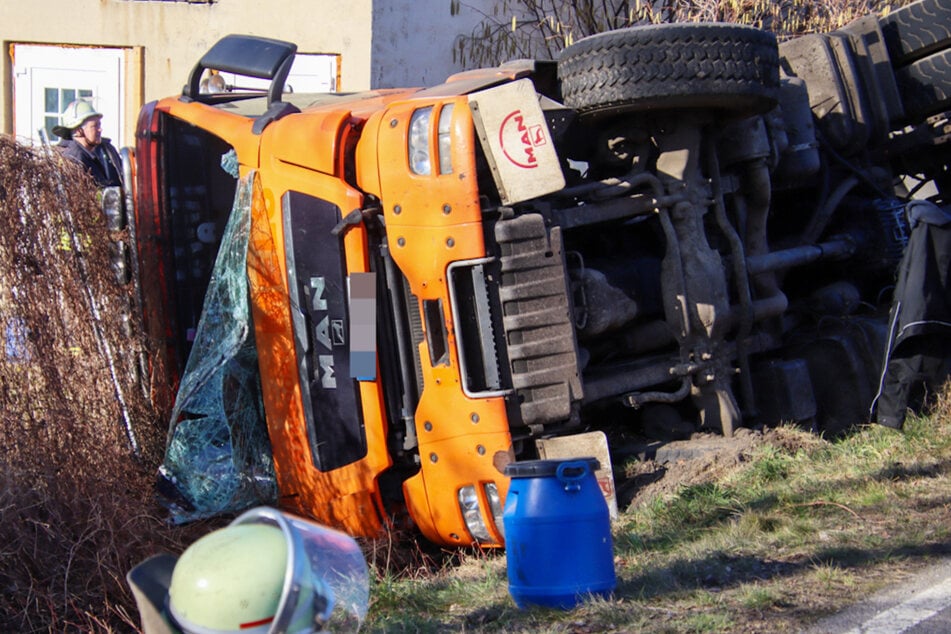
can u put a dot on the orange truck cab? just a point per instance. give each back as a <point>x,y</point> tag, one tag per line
<point>668,228</point>
<point>331,213</point>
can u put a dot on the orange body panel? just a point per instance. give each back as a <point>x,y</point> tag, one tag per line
<point>351,489</point>
<point>433,221</point>
<point>300,155</point>
<point>233,128</point>
<point>163,366</point>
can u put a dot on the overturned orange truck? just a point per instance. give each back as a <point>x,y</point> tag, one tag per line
<point>680,225</point>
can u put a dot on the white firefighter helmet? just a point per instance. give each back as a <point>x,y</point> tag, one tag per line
<point>229,580</point>
<point>265,573</point>
<point>75,114</point>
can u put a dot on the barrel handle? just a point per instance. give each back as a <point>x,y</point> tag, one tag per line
<point>570,474</point>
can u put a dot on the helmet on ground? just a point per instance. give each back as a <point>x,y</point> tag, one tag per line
<point>75,114</point>
<point>265,573</point>
<point>230,580</point>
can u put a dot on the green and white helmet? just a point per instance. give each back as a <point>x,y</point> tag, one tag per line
<point>75,114</point>
<point>267,572</point>
<point>230,580</point>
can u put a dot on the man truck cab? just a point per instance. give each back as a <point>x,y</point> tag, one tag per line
<point>338,198</point>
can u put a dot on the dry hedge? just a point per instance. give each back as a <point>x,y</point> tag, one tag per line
<point>76,509</point>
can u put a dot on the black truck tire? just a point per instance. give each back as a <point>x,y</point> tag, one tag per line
<point>917,30</point>
<point>665,66</point>
<point>925,86</point>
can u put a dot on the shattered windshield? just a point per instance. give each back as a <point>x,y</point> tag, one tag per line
<point>218,457</point>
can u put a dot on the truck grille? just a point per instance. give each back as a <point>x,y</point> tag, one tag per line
<point>513,326</point>
<point>536,319</point>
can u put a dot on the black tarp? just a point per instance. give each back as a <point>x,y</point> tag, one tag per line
<point>919,344</point>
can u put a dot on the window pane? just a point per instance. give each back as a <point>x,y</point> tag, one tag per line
<point>51,98</point>
<point>69,95</point>
<point>85,94</point>
<point>50,122</point>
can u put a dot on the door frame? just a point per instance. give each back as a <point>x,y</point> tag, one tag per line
<point>130,74</point>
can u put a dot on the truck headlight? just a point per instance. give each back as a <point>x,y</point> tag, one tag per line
<point>420,161</point>
<point>471,509</point>
<point>495,505</point>
<point>444,140</point>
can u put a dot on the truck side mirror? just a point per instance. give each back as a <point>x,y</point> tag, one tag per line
<point>245,55</point>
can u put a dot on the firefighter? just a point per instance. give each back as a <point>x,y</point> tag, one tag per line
<point>81,131</point>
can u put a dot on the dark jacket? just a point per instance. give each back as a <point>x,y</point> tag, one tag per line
<point>918,353</point>
<point>103,162</point>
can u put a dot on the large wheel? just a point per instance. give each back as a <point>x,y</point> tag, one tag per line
<point>925,86</point>
<point>917,30</point>
<point>722,66</point>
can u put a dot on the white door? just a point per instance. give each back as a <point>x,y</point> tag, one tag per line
<point>313,73</point>
<point>47,78</point>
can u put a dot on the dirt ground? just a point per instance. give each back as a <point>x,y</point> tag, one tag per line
<point>653,469</point>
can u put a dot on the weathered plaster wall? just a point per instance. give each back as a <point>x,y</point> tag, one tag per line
<point>175,34</point>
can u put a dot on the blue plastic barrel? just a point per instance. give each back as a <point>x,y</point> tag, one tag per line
<point>558,544</point>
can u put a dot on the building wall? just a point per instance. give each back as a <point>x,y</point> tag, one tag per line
<point>412,40</point>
